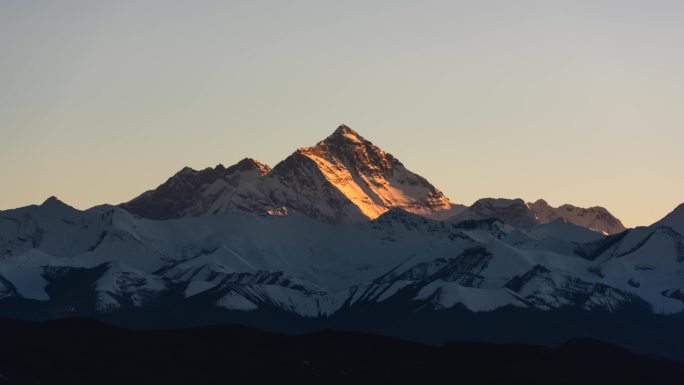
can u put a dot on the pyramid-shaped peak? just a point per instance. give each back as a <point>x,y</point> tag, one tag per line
<point>342,178</point>
<point>53,200</point>
<point>54,203</point>
<point>344,129</point>
<point>345,134</point>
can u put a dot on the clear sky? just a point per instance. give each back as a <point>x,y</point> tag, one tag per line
<point>574,101</point>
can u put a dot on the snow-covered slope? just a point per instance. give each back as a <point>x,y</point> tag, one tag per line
<point>525,215</point>
<point>108,260</point>
<point>674,220</point>
<point>342,179</point>
<point>564,230</point>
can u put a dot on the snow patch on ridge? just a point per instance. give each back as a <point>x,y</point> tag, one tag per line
<point>235,301</point>
<point>448,294</point>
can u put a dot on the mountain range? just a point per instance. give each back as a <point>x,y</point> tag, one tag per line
<point>342,179</point>
<point>342,235</point>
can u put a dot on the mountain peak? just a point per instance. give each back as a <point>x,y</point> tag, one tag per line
<point>345,134</point>
<point>248,164</point>
<point>510,211</point>
<point>370,178</point>
<point>539,203</point>
<point>344,129</point>
<point>343,178</point>
<point>53,200</point>
<point>345,148</point>
<point>54,203</point>
<point>186,171</point>
<point>675,219</point>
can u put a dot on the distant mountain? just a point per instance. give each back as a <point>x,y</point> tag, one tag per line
<point>399,274</point>
<point>524,215</point>
<point>342,179</point>
<point>595,218</point>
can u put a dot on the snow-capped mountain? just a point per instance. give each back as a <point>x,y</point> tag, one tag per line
<point>595,218</point>
<point>209,191</point>
<point>527,215</point>
<point>674,220</point>
<point>105,262</point>
<point>342,179</point>
<point>341,235</point>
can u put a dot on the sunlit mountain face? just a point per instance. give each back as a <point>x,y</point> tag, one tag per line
<point>341,235</point>
<point>342,179</point>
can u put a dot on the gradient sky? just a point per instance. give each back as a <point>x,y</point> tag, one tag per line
<point>574,101</point>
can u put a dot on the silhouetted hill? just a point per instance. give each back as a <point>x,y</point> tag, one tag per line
<point>82,351</point>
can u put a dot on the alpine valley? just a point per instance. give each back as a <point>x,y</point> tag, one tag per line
<point>341,235</point>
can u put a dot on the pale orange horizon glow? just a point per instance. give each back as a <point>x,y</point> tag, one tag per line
<point>575,102</point>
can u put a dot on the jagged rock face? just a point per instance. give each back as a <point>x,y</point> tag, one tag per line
<point>518,213</point>
<point>192,192</point>
<point>342,179</point>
